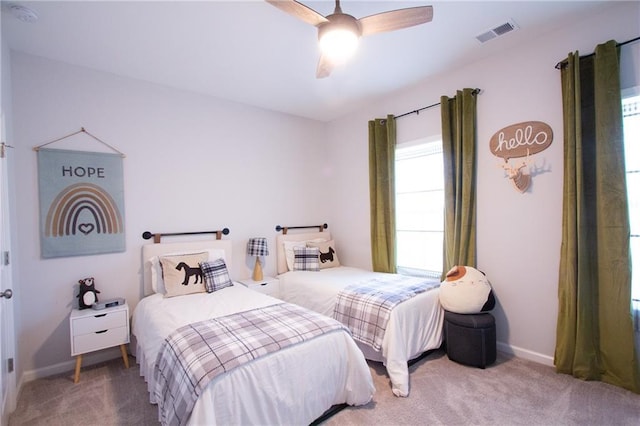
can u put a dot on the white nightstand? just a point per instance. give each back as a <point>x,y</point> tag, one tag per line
<point>269,286</point>
<point>92,330</point>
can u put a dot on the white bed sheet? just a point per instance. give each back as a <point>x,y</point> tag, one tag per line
<point>415,326</point>
<point>285,387</point>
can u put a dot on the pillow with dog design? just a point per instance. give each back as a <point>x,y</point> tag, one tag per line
<point>182,274</point>
<point>328,255</point>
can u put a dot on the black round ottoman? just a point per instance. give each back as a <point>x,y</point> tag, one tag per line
<point>470,338</point>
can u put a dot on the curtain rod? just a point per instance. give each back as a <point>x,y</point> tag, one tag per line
<point>417,111</point>
<point>563,62</point>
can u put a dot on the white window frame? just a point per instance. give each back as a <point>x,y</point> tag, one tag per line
<point>633,209</point>
<point>429,143</point>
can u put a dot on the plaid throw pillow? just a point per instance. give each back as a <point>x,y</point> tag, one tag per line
<point>216,276</point>
<point>306,259</point>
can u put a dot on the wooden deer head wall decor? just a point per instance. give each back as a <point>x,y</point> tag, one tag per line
<point>520,140</point>
<point>520,180</point>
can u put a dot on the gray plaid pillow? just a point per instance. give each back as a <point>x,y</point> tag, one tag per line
<point>306,259</point>
<point>216,276</point>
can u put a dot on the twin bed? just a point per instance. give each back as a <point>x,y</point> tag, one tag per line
<point>280,387</point>
<point>213,351</point>
<point>414,326</point>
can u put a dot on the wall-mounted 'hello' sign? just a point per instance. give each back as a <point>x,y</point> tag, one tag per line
<point>520,140</point>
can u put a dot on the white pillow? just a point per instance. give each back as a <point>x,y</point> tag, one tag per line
<point>288,249</point>
<point>157,283</point>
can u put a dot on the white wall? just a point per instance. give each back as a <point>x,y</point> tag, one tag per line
<point>192,163</point>
<point>518,234</point>
<point>250,169</point>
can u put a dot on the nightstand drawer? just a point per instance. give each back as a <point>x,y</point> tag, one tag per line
<point>100,340</point>
<point>99,322</point>
<point>269,286</point>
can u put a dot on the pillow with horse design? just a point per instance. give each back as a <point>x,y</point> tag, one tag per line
<point>182,274</point>
<point>328,255</point>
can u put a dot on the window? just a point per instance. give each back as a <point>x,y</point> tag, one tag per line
<point>631,123</point>
<point>420,208</point>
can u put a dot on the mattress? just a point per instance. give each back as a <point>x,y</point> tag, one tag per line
<point>285,387</point>
<point>415,325</point>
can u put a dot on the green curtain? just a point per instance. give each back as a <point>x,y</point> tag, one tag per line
<point>594,337</point>
<point>459,153</point>
<point>382,153</point>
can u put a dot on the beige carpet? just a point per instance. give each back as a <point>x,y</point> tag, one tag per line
<point>511,392</point>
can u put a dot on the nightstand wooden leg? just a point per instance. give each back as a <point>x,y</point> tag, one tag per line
<point>76,378</point>
<point>125,357</point>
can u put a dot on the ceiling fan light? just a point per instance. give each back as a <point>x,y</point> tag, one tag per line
<point>339,44</point>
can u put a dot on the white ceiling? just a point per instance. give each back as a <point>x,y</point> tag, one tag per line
<point>249,51</point>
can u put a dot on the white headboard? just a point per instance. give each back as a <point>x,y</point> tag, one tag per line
<point>280,238</point>
<point>151,250</point>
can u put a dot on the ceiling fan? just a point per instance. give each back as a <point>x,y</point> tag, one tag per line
<point>339,32</point>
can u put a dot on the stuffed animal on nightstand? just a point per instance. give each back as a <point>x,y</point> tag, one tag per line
<point>88,294</point>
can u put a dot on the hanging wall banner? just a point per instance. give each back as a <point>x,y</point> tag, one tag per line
<point>81,203</point>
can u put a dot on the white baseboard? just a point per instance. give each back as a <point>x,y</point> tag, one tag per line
<point>69,366</point>
<point>525,354</point>
<point>113,353</point>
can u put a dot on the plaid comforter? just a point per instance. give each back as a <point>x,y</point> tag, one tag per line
<point>196,353</point>
<point>365,307</point>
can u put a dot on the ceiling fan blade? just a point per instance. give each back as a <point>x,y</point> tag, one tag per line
<point>299,11</point>
<point>396,19</point>
<point>325,66</point>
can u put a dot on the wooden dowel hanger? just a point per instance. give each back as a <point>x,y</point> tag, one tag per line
<point>285,229</point>
<point>82,130</point>
<point>157,236</point>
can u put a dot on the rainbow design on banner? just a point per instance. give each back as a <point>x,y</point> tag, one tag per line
<point>81,203</point>
<point>83,208</point>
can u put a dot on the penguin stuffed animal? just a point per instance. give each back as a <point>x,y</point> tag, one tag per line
<point>88,294</point>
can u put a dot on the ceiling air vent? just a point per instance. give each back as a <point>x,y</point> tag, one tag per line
<point>501,29</point>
